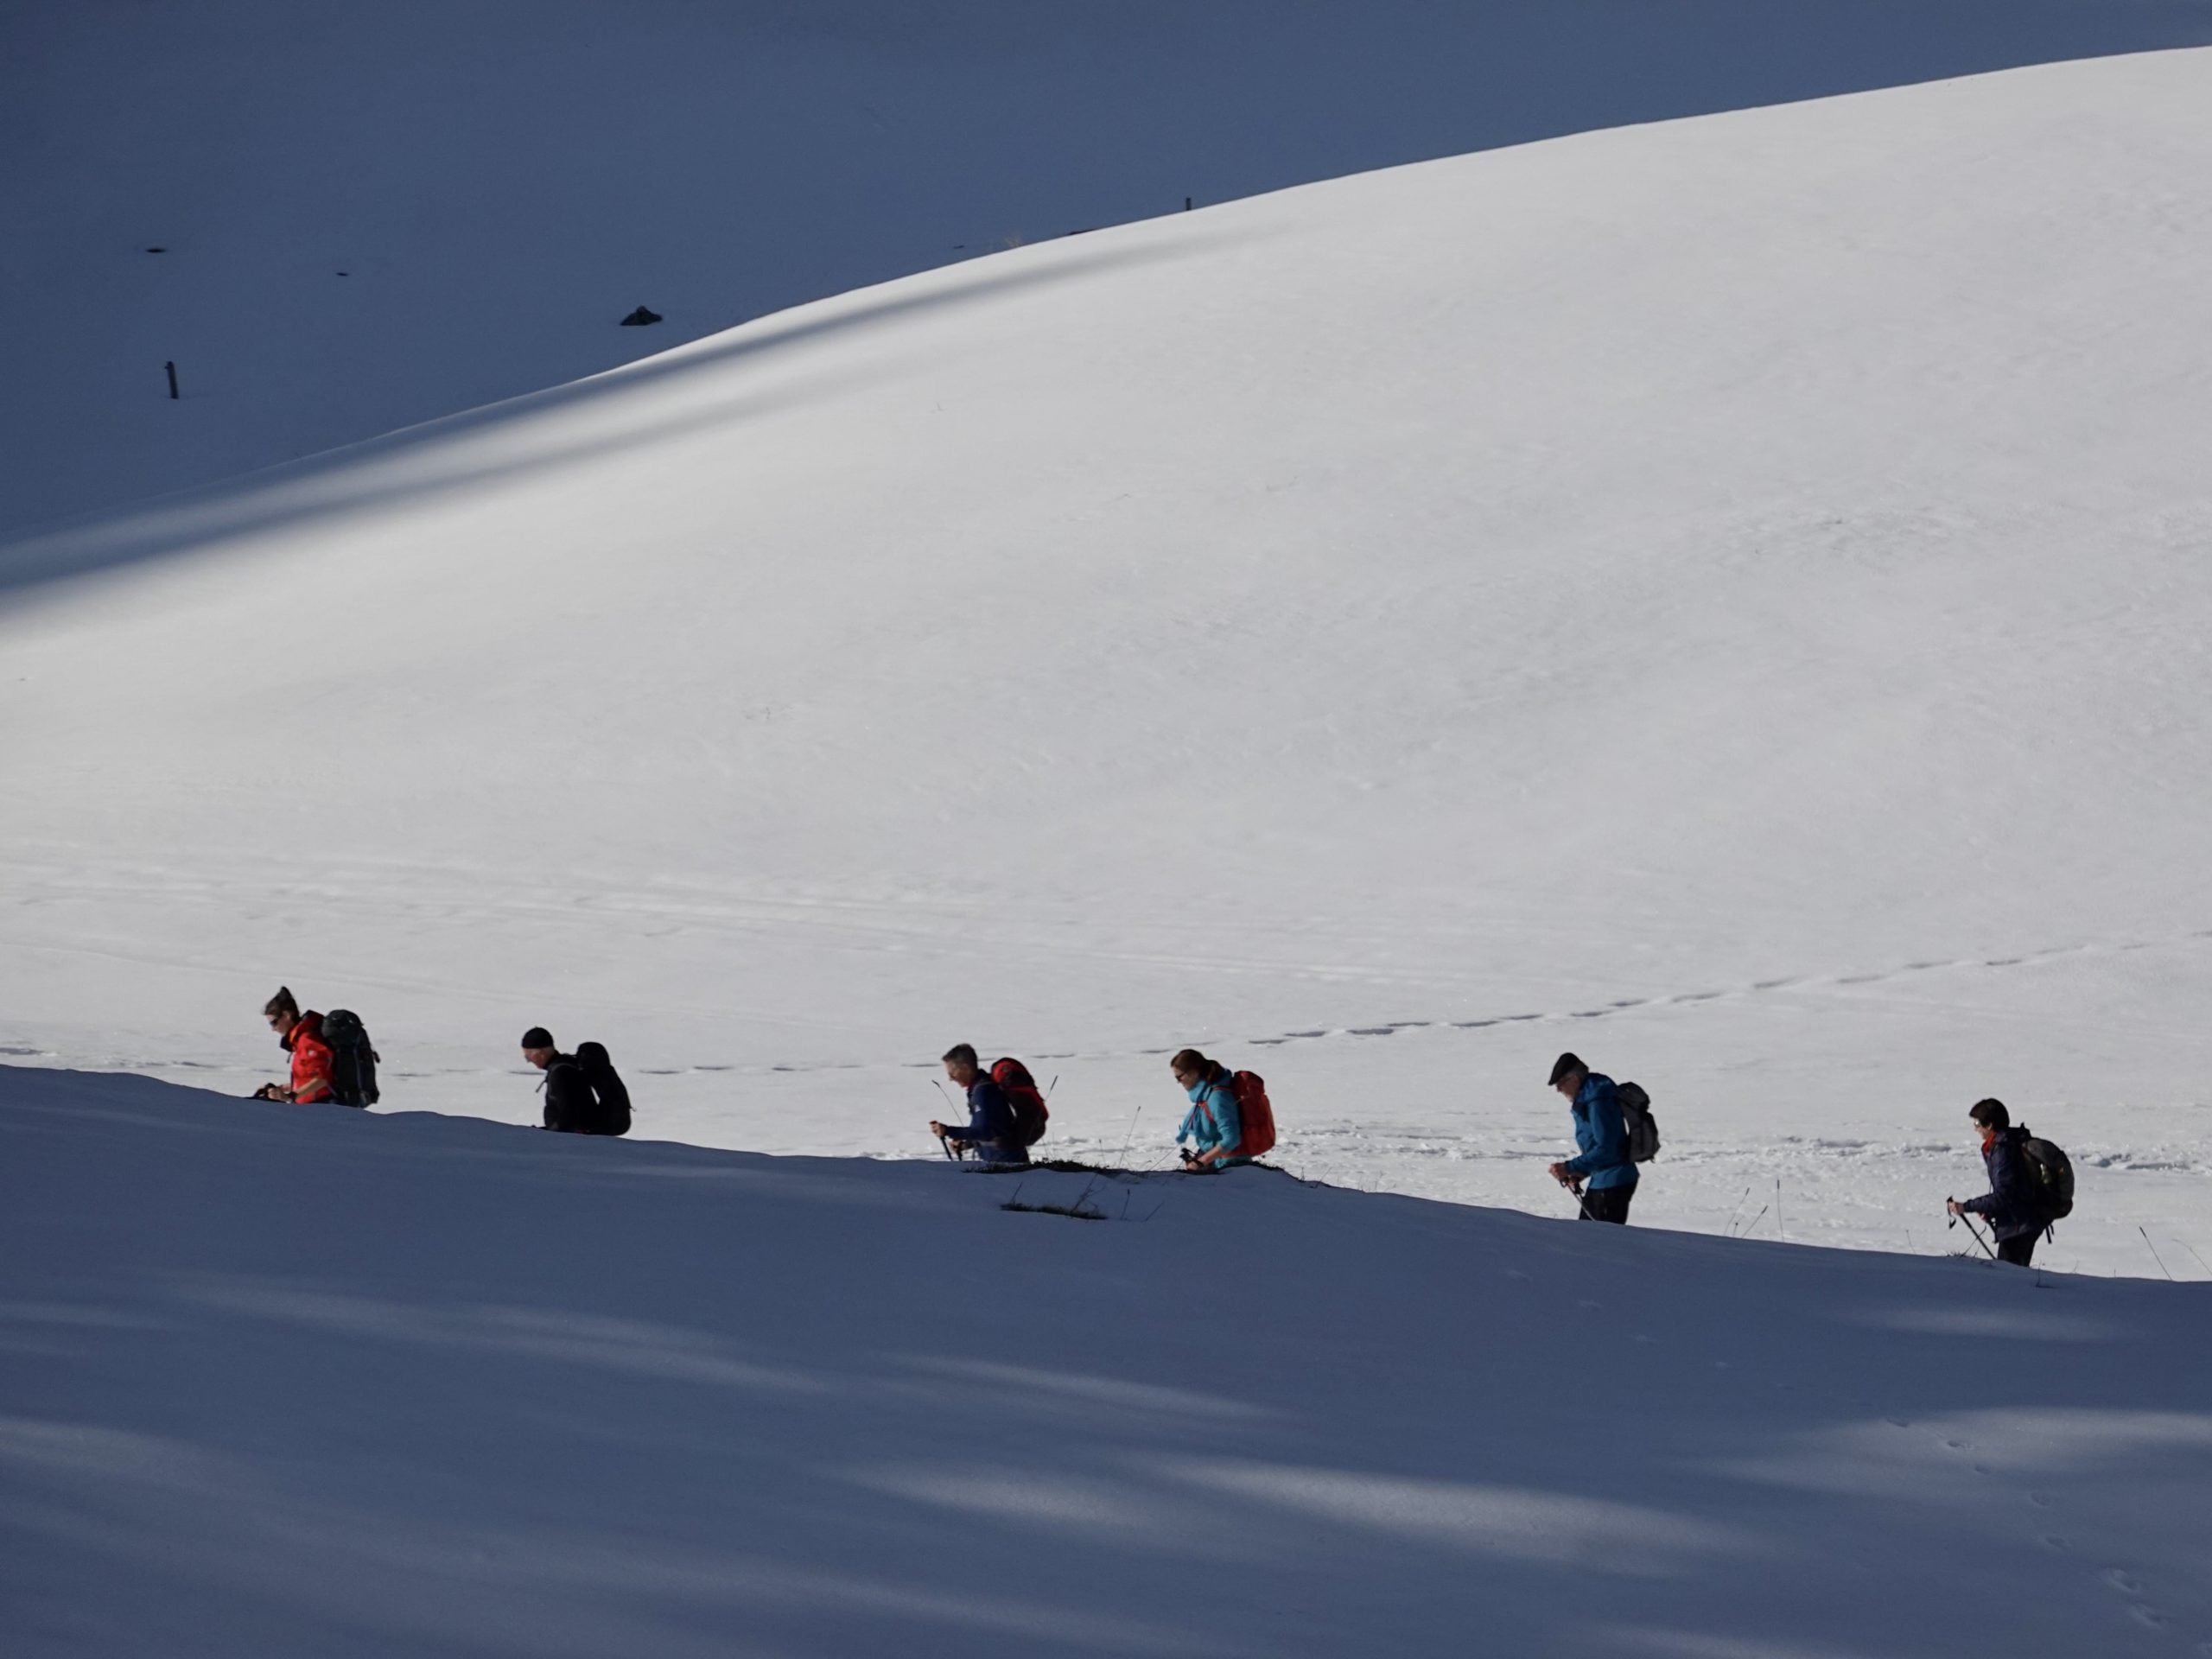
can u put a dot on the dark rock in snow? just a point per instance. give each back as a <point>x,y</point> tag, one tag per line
<point>640,318</point>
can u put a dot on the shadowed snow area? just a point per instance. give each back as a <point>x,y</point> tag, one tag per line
<point>1729,597</point>
<point>370,216</point>
<point>297,1380</point>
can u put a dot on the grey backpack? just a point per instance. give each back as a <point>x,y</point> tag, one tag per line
<point>1643,1128</point>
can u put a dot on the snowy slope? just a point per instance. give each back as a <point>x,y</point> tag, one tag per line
<point>303,1381</point>
<point>374,215</point>
<point>1728,596</point>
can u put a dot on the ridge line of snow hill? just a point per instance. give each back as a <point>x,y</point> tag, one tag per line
<point>1755,549</point>
<point>370,475</point>
<point>340,222</point>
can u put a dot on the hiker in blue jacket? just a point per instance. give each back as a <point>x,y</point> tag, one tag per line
<point>1601,1135</point>
<point>1213,1124</point>
<point>990,1132</point>
<point>2013,1204</point>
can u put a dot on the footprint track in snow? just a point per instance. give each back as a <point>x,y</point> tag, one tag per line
<point>1756,988</point>
<point>1394,1027</point>
<point>1691,999</point>
<point>2121,1582</point>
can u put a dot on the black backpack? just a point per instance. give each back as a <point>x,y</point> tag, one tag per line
<point>353,1060</point>
<point>2051,1172</point>
<point>1636,1116</point>
<point>607,1087</point>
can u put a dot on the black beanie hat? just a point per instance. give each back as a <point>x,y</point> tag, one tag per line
<point>1563,1065</point>
<point>537,1037</point>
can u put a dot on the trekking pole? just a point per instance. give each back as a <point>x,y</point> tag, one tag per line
<point>944,1142</point>
<point>1575,1187</point>
<point>1971,1228</point>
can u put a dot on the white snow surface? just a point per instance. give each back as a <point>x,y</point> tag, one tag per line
<point>302,1380</point>
<point>374,215</point>
<point>1727,596</point>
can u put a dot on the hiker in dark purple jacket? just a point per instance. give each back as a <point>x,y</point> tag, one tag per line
<point>990,1132</point>
<point>2013,1204</point>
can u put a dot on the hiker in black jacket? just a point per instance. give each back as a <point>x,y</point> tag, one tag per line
<point>2013,1204</point>
<point>573,1106</point>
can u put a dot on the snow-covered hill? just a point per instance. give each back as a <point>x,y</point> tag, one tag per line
<point>1729,597</point>
<point>302,1382</point>
<point>374,215</point>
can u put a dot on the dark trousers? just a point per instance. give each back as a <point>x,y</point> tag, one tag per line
<point>1607,1203</point>
<point>2019,1250</point>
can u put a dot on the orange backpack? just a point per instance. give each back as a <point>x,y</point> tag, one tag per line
<point>1254,1115</point>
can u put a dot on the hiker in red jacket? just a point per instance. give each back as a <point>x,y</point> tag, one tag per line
<point>301,1035</point>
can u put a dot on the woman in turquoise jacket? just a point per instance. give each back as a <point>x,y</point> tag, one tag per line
<point>1213,1123</point>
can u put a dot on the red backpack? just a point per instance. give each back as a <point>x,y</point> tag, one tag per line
<point>1254,1115</point>
<point>1021,1093</point>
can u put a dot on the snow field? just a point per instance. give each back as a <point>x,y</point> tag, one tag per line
<point>306,1380</point>
<point>1777,676</point>
<point>1728,597</point>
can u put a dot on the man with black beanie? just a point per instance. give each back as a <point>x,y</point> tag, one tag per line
<point>570,1105</point>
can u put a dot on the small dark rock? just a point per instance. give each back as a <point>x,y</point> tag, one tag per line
<point>157,250</point>
<point>640,317</point>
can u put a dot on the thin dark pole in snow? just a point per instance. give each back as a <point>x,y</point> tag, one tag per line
<point>171,367</point>
<point>1130,1136</point>
<point>1738,1210</point>
<point>1976,1231</point>
<point>2155,1256</point>
<point>1094,1180</point>
<point>1778,1227</point>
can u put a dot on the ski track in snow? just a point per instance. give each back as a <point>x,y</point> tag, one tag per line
<point>1330,1034</point>
<point>1334,1033</point>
